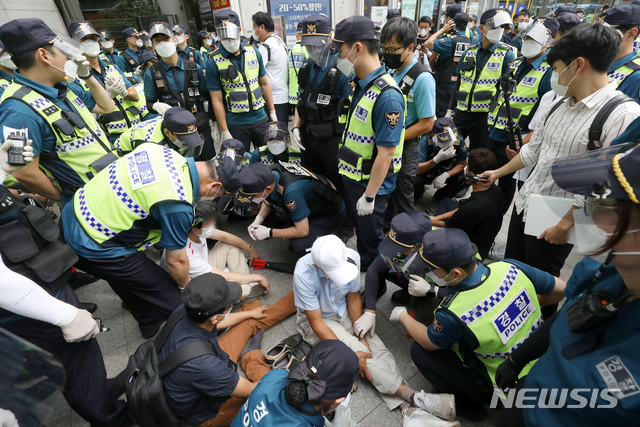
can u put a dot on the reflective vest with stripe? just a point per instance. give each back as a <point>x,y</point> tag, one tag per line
<point>295,156</point>
<point>242,92</point>
<point>500,312</point>
<point>357,151</point>
<point>77,147</point>
<point>478,90</point>
<point>297,57</point>
<point>121,196</point>
<point>622,73</point>
<point>149,131</point>
<point>522,100</point>
<point>4,84</point>
<point>205,51</point>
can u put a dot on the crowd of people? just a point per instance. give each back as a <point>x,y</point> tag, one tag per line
<point>343,133</point>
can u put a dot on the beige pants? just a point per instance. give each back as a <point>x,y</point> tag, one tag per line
<point>224,255</point>
<point>385,376</point>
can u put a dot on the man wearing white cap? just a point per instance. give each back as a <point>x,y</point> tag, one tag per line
<point>326,288</point>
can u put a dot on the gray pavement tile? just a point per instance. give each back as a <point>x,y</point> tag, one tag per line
<point>381,416</point>
<point>77,421</point>
<point>101,294</point>
<point>401,346</point>
<point>116,361</point>
<point>365,400</point>
<point>419,382</point>
<point>115,337</point>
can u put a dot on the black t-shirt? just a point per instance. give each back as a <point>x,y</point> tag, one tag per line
<point>480,216</point>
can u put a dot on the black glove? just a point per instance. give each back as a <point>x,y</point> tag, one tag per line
<point>507,374</point>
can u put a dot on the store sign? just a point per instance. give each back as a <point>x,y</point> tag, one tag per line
<point>379,14</point>
<point>295,11</point>
<point>408,9</point>
<point>426,8</point>
<point>220,4</point>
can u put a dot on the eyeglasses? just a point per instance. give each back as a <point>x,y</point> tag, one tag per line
<point>393,50</point>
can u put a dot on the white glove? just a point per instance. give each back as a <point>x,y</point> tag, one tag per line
<point>122,88</point>
<point>260,232</point>
<point>7,419</point>
<point>363,207</point>
<point>111,86</point>
<point>5,167</point>
<point>445,154</point>
<point>256,222</point>
<point>418,287</point>
<point>139,71</point>
<point>296,141</point>
<point>366,323</point>
<point>395,314</point>
<point>161,107</point>
<point>226,135</point>
<point>78,325</point>
<point>273,116</point>
<point>83,66</point>
<point>440,180</point>
<point>450,113</point>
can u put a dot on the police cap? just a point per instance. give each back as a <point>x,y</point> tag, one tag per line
<point>160,28</point>
<point>226,15</point>
<point>392,13</point>
<point>446,248</point>
<point>180,29</point>
<point>315,30</point>
<point>353,28</point>
<point>255,178</point>
<point>202,34</point>
<point>24,35</point>
<point>461,20</point>
<point>564,8</point>
<point>106,35</point>
<point>80,29</point>
<point>129,32</point>
<point>183,123</point>
<point>406,230</point>
<point>623,15</point>
<point>567,21</point>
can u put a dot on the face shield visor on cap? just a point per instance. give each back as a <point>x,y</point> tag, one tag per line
<point>228,30</point>
<point>84,30</point>
<point>186,151</point>
<point>397,264</point>
<point>499,20</point>
<point>68,46</point>
<point>447,138</point>
<point>246,204</point>
<point>328,56</point>
<point>226,203</point>
<point>539,33</point>
<point>414,263</point>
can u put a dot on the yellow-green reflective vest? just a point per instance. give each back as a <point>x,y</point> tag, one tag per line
<point>149,131</point>
<point>297,56</point>
<point>501,313</point>
<point>621,74</point>
<point>242,92</point>
<point>522,100</point>
<point>205,51</point>
<point>356,154</point>
<point>295,155</point>
<point>477,91</point>
<point>85,150</point>
<point>125,192</point>
<point>4,84</point>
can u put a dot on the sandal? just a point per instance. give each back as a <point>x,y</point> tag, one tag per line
<point>281,348</point>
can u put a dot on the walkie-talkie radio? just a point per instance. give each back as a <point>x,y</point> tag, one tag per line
<point>14,155</point>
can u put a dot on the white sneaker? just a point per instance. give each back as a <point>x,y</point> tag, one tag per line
<point>441,405</point>
<point>421,418</point>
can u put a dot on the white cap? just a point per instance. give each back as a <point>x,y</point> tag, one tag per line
<point>330,255</point>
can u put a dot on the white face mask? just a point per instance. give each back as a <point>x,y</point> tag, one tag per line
<point>590,238</point>
<point>345,66</point>
<point>139,43</point>
<point>494,35</point>
<point>5,61</point>
<point>423,32</point>
<point>441,283</point>
<point>207,232</point>
<point>90,47</point>
<point>180,39</point>
<point>107,44</point>
<point>276,147</point>
<point>531,48</point>
<point>470,26</point>
<point>70,68</point>
<point>166,49</point>
<point>210,198</point>
<point>559,89</point>
<point>149,44</point>
<point>207,42</point>
<point>231,45</point>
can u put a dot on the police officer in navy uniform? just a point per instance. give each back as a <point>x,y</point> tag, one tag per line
<point>109,51</point>
<point>295,203</point>
<point>186,52</point>
<point>277,147</point>
<point>567,21</point>
<point>323,91</point>
<point>205,41</point>
<point>135,47</point>
<point>7,68</point>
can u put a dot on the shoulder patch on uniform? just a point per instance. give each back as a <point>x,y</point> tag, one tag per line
<point>291,205</point>
<point>437,326</point>
<point>393,118</point>
<point>381,83</point>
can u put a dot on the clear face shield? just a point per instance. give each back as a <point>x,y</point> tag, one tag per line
<point>328,56</point>
<point>68,46</point>
<point>500,20</point>
<point>228,30</point>
<point>447,138</point>
<point>539,33</point>
<point>397,264</point>
<point>247,204</point>
<point>186,150</point>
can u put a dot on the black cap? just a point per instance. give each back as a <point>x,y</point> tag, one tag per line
<point>146,56</point>
<point>183,123</point>
<point>202,34</point>
<point>227,173</point>
<point>226,15</point>
<point>636,2</point>
<point>567,21</point>
<point>563,9</point>
<point>406,230</point>
<point>453,10</point>
<point>392,13</point>
<point>106,34</point>
<point>128,32</point>
<point>233,148</point>
<point>255,178</point>
<point>551,24</point>
<point>624,14</point>
<point>24,35</point>
<point>446,248</point>
<point>351,29</point>
<point>160,28</point>
<point>461,20</point>
<point>180,29</point>
<point>80,28</point>
<point>209,293</point>
<point>315,30</point>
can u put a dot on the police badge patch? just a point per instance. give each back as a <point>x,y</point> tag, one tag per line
<point>291,205</point>
<point>437,326</point>
<point>393,118</point>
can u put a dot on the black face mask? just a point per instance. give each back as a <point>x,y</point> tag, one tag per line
<point>393,60</point>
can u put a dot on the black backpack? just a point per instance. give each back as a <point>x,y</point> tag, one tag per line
<point>143,384</point>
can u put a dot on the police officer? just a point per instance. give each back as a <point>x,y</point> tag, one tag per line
<point>69,145</point>
<point>513,37</point>
<point>109,52</point>
<point>478,74</point>
<point>565,8</point>
<point>451,13</point>
<point>443,157</point>
<point>232,66</point>
<point>473,26</point>
<point>488,312</point>
<point>128,109</point>
<point>173,82</point>
<point>186,52</point>
<point>297,57</point>
<point>176,129</point>
<point>146,42</point>
<point>277,147</point>
<point>205,42</point>
<point>567,22</point>
<point>371,152</point>
<point>580,13</point>
<point>449,50</point>
<point>532,75</point>
<point>132,54</point>
<point>7,69</point>
<point>304,205</point>
<point>626,20</point>
<point>418,85</point>
<point>324,91</point>
<point>144,198</point>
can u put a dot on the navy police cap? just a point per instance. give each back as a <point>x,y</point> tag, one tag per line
<point>568,21</point>
<point>106,34</point>
<point>24,35</point>
<point>128,32</point>
<point>226,15</point>
<point>353,28</point>
<point>315,30</point>
<point>623,15</point>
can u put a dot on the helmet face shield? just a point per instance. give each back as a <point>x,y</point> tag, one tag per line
<point>447,138</point>
<point>500,20</point>
<point>244,204</point>
<point>68,46</point>
<point>328,56</point>
<point>539,33</point>
<point>228,30</point>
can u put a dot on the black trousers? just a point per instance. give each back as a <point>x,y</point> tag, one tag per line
<point>506,184</point>
<point>208,148</point>
<point>321,155</point>
<point>474,126</point>
<point>402,198</point>
<point>512,417</point>
<point>318,226</point>
<point>250,133</point>
<point>443,96</point>
<point>368,227</point>
<point>453,185</point>
<point>86,387</point>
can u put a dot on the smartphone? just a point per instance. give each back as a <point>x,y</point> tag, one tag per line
<point>14,155</point>
<point>475,177</point>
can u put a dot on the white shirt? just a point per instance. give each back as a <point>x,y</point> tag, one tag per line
<point>566,132</point>
<point>198,254</point>
<point>277,68</point>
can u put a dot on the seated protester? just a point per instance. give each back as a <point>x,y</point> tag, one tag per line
<point>315,387</point>
<point>625,19</point>
<point>443,156</point>
<point>208,388</point>
<point>460,332</point>
<point>7,68</point>
<point>186,52</point>
<point>513,37</point>
<point>326,285</point>
<point>225,254</point>
<point>295,203</point>
<point>479,216</point>
<point>277,146</point>
<point>176,130</point>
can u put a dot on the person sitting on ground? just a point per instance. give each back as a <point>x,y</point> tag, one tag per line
<point>480,216</point>
<point>277,146</point>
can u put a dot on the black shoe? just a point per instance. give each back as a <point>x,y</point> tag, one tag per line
<point>400,297</point>
<point>150,330</point>
<point>89,306</point>
<point>344,233</point>
<point>117,385</point>
<point>124,306</point>
<point>282,347</point>
<point>430,211</point>
<point>475,412</point>
<point>78,280</point>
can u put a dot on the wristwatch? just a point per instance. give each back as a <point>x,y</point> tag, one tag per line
<point>369,199</point>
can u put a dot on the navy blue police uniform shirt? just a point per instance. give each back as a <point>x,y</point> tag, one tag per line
<point>172,73</point>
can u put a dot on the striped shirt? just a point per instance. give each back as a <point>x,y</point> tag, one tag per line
<point>566,133</point>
